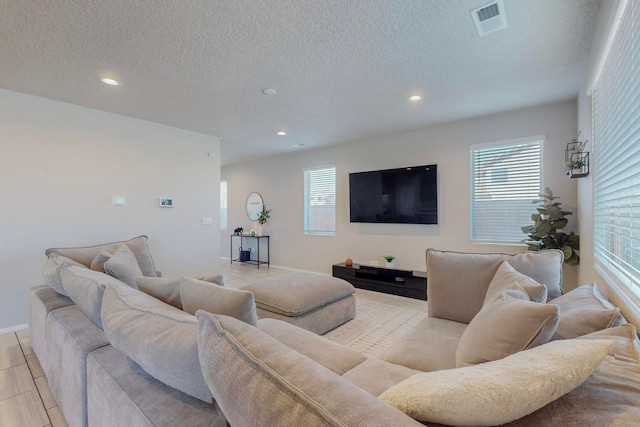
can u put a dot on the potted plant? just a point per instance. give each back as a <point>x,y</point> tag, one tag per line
<point>545,234</point>
<point>265,214</point>
<point>389,259</point>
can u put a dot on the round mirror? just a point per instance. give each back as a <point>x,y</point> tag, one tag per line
<point>254,206</point>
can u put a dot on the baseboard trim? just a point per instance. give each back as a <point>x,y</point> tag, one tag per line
<point>14,328</point>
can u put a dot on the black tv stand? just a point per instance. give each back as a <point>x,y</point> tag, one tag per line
<point>406,283</point>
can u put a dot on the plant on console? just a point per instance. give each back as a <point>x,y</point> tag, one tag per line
<point>264,215</point>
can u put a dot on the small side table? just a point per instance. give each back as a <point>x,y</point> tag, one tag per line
<point>258,261</point>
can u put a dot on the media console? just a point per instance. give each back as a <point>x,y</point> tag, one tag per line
<point>406,283</point>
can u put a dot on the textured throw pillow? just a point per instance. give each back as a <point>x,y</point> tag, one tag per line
<point>506,276</point>
<point>85,288</point>
<point>123,266</point>
<point>51,271</point>
<point>502,391</point>
<point>504,327</point>
<point>158,337</point>
<point>199,295</point>
<point>582,311</point>
<point>167,289</point>
<point>98,262</point>
<point>257,380</point>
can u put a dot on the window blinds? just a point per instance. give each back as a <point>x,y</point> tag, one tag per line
<point>320,201</point>
<point>505,180</point>
<point>616,135</point>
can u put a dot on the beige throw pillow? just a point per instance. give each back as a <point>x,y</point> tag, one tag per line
<point>504,327</point>
<point>506,276</point>
<point>98,262</point>
<point>502,391</point>
<point>123,266</point>
<point>199,295</point>
<point>167,289</point>
<point>582,311</point>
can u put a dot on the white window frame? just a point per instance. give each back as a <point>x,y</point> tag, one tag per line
<point>223,205</point>
<point>487,223</point>
<point>308,219</point>
<point>615,94</point>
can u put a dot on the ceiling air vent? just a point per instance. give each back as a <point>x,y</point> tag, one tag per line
<point>490,17</point>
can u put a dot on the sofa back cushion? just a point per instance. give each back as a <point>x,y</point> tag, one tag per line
<point>85,287</point>
<point>158,337</point>
<point>86,255</point>
<point>457,283</point>
<point>51,271</point>
<point>167,289</point>
<point>256,380</point>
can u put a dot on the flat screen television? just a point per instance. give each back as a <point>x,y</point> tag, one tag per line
<point>399,196</point>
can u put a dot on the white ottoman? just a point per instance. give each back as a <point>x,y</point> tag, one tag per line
<point>314,302</point>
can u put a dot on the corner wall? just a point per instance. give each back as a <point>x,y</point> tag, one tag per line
<point>60,165</point>
<point>280,182</point>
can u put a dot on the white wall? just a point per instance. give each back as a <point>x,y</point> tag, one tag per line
<point>587,272</point>
<point>60,165</point>
<point>280,181</point>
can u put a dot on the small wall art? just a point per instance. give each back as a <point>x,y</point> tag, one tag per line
<point>166,202</point>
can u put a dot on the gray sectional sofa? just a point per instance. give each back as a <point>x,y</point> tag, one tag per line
<point>117,356</point>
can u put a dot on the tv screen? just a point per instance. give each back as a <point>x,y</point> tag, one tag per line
<point>399,196</point>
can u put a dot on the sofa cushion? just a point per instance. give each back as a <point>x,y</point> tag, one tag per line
<point>51,271</point>
<point>506,277</point>
<point>167,289</point>
<point>158,337</point>
<point>376,376</point>
<point>505,327</point>
<point>123,266</point>
<point>582,311</point>
<point>458,282</point>
<point>98,262</point>
<point>258,381</point>
<point>200,295</point>
<point>519,384</point>
<point>85,288</point>
<point>86,255</point>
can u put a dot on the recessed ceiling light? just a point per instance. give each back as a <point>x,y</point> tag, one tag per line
<point>110,82</point>
<point>281,133</point>
<point>298,145</point>
<point>268,91</point>
<point>415,98</point>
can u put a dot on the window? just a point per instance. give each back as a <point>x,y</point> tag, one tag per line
<point>616,138</point>
<point>320,201</point>
<point>505,180</point>
<point>223,205</point>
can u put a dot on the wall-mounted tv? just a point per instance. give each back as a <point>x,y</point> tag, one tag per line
<point>399,196</point>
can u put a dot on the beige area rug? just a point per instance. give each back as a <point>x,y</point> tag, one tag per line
<point>376,328</point>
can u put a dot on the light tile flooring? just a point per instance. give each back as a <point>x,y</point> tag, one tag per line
<point>25,398</point>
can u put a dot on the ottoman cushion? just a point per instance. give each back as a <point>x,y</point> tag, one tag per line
<point>295,294</point>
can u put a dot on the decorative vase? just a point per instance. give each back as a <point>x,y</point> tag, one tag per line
<point>389,264</point>
<point>259,230</point>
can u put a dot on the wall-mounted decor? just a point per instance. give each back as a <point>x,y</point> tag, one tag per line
<point>576,160</point>
<point>166,202</point>
<point>254,206</point>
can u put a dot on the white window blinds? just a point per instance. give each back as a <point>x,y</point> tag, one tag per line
<point>505,181</point>
<point>616,135</point>
<point>320,201</point>
<point>223,205</point>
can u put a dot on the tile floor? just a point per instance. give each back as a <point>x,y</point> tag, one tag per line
<point>25,398</point>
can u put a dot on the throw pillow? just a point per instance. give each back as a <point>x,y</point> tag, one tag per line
<point>158,337</point>
<point>51,271</point>
<point>85,255</point>
<point>123,266</point>
<point>507,276</point>
<point>98,262</point>
<point>504,327</point>
<point>502,391</point>
<point>167,289</point>
<point>199,295</point>
<point>582,311</point>
<point>257,380</point>
<point>85,288</point>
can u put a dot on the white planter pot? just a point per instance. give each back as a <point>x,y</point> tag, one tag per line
<point>389,264</point>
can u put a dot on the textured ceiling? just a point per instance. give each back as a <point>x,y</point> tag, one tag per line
<point>343,69</point>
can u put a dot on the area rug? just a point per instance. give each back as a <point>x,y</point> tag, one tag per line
<point>376,328</point>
